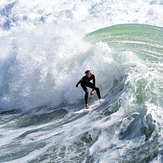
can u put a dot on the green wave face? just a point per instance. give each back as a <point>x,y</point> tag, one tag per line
<point>146,43</point>
<point>145,40</point>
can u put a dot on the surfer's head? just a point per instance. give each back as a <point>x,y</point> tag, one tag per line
<point>88,73</point>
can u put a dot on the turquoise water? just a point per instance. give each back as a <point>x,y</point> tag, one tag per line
<point>45,47</point>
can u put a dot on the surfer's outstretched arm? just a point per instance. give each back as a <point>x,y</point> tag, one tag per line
<point>80,81</point>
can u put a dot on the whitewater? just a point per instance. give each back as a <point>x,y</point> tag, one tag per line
<point>45,47</point>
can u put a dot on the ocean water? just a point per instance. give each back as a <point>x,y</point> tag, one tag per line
<point>45,47</point>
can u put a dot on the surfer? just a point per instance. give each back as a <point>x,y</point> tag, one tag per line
<point>85,82</point>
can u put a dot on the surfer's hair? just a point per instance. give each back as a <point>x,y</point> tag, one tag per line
<point>87,71</point>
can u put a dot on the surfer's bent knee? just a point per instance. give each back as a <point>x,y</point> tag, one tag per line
<point>86,91</point>
<point>96,88</point>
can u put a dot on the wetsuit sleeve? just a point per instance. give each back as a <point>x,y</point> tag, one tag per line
<point>80,81</point>
<point>93,82</point>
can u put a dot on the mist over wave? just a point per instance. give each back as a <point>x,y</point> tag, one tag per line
<point>45,47</point>
<point>46,69</point>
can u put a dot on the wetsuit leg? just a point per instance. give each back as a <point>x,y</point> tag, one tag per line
<point>86,92</point>
<point>98,92</point>
<point>90,85</point>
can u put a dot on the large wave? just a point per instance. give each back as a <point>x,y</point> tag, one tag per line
<point>44,50</point>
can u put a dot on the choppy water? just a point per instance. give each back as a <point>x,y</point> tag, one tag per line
<point>45,46</point>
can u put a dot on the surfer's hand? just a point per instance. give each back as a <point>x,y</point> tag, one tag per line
<point>92,92</point>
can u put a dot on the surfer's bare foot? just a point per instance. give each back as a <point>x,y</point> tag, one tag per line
<point>87,106</point>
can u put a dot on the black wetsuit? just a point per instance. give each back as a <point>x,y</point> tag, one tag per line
<point>85,82</point>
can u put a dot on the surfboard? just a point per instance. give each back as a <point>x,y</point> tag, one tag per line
<point>91,107</point>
